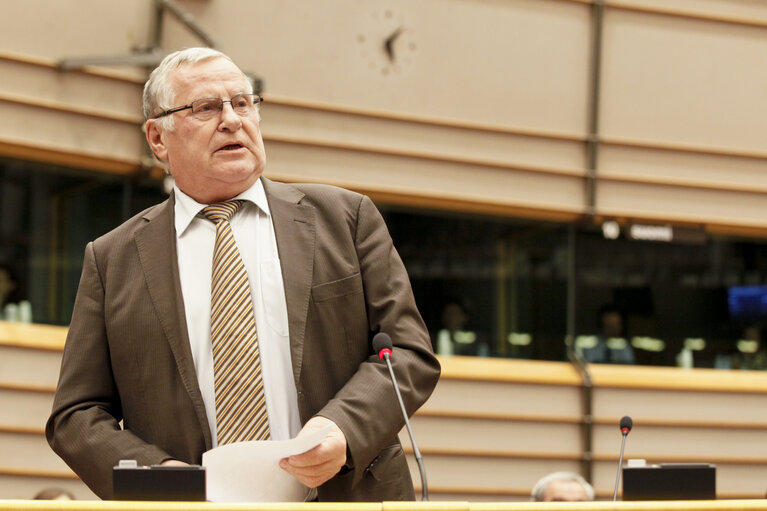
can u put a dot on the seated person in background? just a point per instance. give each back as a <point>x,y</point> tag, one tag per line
<point>562,487</point>
<point>454,338</point>
<point>748,352</point>
<point>9,289</point>
<point>54,494</point>
<point>612,346</point>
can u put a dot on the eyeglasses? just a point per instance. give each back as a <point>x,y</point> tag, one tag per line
<point>207,108</point>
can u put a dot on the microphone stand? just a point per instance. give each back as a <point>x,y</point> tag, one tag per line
<point>416,452</point>
<point>620,464</point>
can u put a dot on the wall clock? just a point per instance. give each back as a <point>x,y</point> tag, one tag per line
<point>386,42</point>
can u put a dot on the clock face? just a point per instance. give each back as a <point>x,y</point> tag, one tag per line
<point>386,44</point>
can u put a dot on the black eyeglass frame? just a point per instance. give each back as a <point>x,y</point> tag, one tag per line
<point>256,100</point>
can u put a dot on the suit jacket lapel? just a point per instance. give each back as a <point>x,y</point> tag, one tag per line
<point>294,229</point>
<point>156,245</point>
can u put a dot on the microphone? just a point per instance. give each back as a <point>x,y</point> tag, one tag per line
<point>625,425</point>
<point>383,346</point>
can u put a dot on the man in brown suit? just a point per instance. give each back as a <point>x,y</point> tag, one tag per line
<point>131,354</point>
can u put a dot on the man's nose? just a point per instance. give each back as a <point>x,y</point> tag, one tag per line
<point>229,118</point>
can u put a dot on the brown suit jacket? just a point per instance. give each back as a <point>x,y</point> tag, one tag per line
<point>127,356</point>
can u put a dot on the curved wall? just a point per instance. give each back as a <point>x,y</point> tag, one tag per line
<point>492,106</point>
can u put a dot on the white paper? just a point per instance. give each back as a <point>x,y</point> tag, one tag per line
<point>250,471</point>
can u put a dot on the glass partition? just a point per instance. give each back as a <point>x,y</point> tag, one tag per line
<point>499,287</point>
<point>486,286</point>
<point>47,215</point>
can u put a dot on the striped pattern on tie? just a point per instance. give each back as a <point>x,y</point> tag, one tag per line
<point>240,404</point>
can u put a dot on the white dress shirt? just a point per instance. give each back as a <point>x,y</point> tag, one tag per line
<point>254,233</point>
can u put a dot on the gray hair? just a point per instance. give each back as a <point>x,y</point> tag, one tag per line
<point>158,93</point>
<point>539,490</point>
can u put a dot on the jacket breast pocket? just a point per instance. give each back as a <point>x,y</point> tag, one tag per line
<point>337,288</point>
<point>339,318</point>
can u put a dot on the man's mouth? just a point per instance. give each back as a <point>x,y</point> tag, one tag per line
<point>230,147</point>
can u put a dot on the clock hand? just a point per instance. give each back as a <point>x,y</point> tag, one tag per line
<point>389,43</point>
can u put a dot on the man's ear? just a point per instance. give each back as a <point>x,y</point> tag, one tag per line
<point>155,136</point>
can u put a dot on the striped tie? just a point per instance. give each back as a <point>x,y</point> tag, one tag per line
<point>240,405</point>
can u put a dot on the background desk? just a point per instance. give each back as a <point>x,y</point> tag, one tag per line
<point>489,431</point>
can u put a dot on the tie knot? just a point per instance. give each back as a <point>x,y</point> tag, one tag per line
<point>222,211</point>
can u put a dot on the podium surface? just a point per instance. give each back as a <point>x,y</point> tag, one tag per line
<point>687,505</point>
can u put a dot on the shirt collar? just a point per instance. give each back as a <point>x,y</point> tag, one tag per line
<point>186,208</point>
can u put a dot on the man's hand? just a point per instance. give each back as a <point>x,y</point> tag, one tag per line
<point>314,467</point>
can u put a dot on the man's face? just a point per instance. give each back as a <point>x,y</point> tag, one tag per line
<point>6,285</point>
<point>612,324</point>
<point>215,159</point>
<point>565,491</point>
